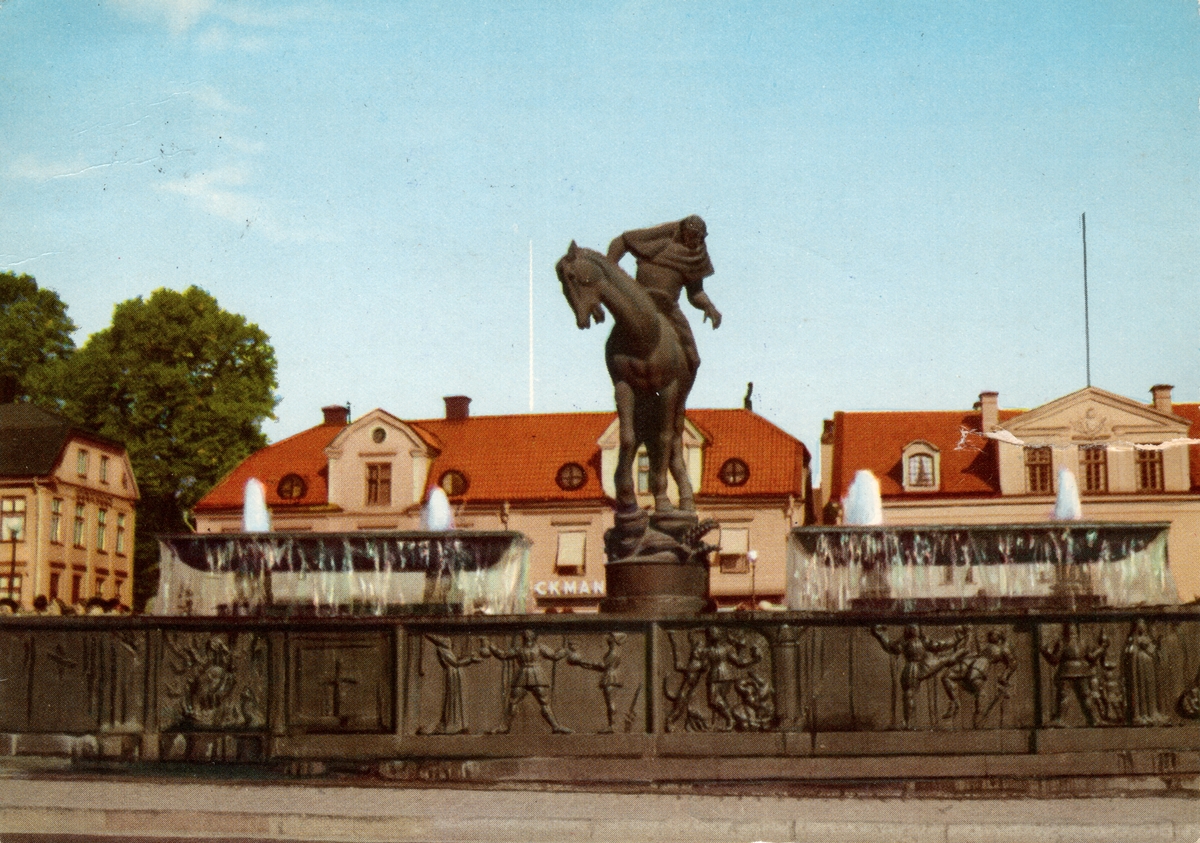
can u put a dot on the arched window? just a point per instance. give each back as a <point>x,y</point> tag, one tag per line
<point>922,466</point>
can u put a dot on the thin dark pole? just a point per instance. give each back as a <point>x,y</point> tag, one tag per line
<point>1087,334</point>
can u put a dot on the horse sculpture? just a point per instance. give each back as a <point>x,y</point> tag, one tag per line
<point>651,380</point>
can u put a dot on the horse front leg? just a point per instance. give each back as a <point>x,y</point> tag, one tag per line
<point>623,476</point>
<point>659,446</point>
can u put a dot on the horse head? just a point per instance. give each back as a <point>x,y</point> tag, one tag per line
<point>580,279</point>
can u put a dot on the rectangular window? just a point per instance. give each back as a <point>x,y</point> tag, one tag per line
<point>80,523</point>
<point>103,468</point>
<point>379,484</point>
<point>56,520</point>
<point>1149,463</point>
<point>76,589</point>
<point>572,548</point>
<point>12,591</point>
<point>735,547</point>
<point>120,546</point>
<point>81,463</point>
<point>643,473</point>
<point>55,577</point>
<point>1093,463</point>
<point>101,532</point>
<point>99,592</point>
<point>1039,470</point>
<point>12,519</point>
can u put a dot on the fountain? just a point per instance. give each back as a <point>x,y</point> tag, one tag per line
<point>970,657</point>
<point>434,570</point>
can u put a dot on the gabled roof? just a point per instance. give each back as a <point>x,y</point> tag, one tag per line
<point>302,454</point>
<point>517,458</point>
<point>875,441</point>
<point>32,440</point>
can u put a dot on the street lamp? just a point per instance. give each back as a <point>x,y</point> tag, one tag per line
<point>12,570</point>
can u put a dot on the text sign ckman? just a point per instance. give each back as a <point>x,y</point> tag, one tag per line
<point>568,588</point>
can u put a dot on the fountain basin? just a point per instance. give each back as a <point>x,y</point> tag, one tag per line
<point>1080,565</point>
<point>456,571</point>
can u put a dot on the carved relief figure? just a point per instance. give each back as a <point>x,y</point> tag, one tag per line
<point>970,669</point>
<point>737,698</point>
<point>1141,677</point>
<point>1085,673</point>
<point>529,678</point>
<point>923,658</point>
<point>610,677</point>
<point>216,685</point>
<point>454,711</point>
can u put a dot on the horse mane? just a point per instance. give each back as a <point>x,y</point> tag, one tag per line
<point>618,276</point>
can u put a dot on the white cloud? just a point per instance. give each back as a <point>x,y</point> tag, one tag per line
<point>178,15</point>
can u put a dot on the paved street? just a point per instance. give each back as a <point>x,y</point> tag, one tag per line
<point>67,809</point>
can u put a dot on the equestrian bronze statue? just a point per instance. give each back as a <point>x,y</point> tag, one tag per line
<point>652,360</point>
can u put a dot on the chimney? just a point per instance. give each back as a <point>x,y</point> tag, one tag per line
<point>1162,397</point>
<point>336,414</point>
<point>989,411</point>
<point>458,407</point>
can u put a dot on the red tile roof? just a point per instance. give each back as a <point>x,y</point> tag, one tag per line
<point>776,459</point>
<point>517,458</point>
<point>302,454</point>
<point>875,440</point>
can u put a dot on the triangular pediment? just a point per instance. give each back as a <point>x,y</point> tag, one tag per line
<point>1095,415</point>
<point>364,432</point>
<point>611,437</point>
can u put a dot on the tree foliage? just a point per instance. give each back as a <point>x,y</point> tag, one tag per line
<point>35,338</point>
<point>186,386</point>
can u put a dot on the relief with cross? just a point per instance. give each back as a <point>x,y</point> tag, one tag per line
<point>341,683</point>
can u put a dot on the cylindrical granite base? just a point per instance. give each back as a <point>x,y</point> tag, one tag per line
<point>655,584</point>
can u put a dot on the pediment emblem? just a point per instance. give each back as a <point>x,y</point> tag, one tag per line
<point>1090,425</point>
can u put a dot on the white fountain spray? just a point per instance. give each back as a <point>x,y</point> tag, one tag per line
<point>1067,506</point>
<point>256,518</point>
<point>437,515</point>
<point>863,503</point>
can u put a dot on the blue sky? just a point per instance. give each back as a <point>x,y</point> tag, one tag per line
<point>893,190</point>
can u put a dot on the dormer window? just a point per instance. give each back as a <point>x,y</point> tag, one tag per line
<point>922,466</point>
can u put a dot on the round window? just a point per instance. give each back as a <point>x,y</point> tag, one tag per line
<point>454,483</point>
<point>571,476</point>
<point>291,487</point>
<point>734,472</point>
<point>378,435</point>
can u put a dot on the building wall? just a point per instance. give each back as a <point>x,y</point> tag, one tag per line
<point>75,566</point>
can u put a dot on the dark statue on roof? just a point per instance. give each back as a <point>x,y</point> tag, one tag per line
<point>652,360</point>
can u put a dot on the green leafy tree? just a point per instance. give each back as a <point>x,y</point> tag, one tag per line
<point>186,386</point>
<point>35,339</point>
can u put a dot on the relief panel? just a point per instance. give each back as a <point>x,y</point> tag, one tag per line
<point>526,682</point>
<point>341,683</point>
<point>718,678</point>
<point>949,678</point>
<point>16,664</point>
<point>1135,673</point>
<point>212,681</point>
